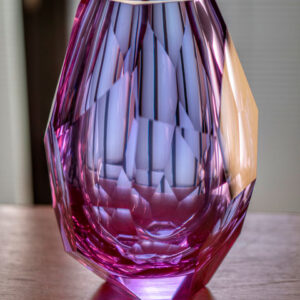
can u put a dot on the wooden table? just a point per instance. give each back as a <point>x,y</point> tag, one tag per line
<point>263,264</point>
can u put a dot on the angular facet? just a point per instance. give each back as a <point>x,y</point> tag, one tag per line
<point>151,145</point>
<point>238,123</point>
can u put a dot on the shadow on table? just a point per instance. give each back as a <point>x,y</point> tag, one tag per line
<point>108,291</point>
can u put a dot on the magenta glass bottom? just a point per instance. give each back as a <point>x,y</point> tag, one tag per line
<point>147,242</point>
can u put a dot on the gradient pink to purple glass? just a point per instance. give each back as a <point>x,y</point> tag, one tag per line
<point>135,163</point>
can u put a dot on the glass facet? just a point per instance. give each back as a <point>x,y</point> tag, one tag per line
<point>151,144</point>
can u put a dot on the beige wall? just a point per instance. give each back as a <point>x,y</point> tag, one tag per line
<point>15,175</point>
<point>267,36</point>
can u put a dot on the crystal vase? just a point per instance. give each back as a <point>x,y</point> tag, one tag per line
<point>151,144</point>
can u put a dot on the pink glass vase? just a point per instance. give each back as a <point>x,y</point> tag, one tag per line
<point>151,144</point>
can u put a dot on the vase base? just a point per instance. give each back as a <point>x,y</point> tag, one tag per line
<point>110,291</point>
<point>172,288</point>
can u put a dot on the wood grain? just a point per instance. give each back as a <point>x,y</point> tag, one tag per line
<point>263,264</point>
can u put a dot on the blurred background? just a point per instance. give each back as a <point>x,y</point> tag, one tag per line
<point>33,39</point>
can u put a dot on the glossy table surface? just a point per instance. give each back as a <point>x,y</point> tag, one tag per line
<point>263,264</point>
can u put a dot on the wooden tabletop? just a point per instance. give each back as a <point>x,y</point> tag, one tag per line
<point>263,264</point>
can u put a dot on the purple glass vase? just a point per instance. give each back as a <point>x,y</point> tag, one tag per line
<point>151,144</point>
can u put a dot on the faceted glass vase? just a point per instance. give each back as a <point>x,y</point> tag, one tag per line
<point>151,144</point>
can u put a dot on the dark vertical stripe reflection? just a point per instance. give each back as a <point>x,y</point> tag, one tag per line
<point>117,17</point>
<point>177,113</point>
<point>141,84</point>
<point>105,131</point>
<point>130,30</point>
<point>127,126</point>
<point>165,28</point>
<point>150,150</point>
<point>200,146</point>
<point>162,185</point>
<point>117,65</point>
<point>94,133</point>
<point>184,82</point>
<point>181,16</point>
<point>101,67</point>
<point>195,175</point>
<point>199,85</point>
<point>174,158</point>
<point>155,79</point>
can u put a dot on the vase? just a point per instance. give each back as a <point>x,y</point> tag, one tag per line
<point>151,144</point>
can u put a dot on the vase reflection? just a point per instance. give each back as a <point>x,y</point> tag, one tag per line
<point>109,291</point>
